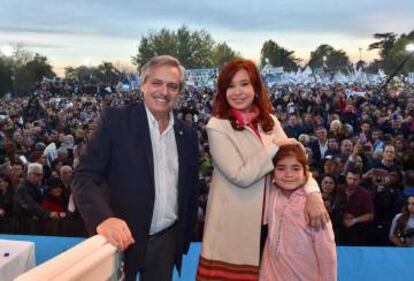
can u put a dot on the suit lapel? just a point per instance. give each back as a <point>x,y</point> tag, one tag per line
<point>142,132</point>
<point>180,140</point>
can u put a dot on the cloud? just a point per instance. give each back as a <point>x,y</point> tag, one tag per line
<point>133,18</point>
<point>112,29</point>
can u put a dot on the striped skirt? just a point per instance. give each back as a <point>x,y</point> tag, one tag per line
<point>223,271</point>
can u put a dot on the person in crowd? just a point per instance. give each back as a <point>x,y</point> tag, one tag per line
<point>320,147</point>
<point>400,146</point>
<point>408,154</point>
<point>402,227</point>
<point>377,143</point>
<point>365,132</point>
<point>55,199</point>
<point>328,189</point>
<point>336,130</point>
<point>307,125</point>
<point>243,138</point>
<point>304,139</point>
<point>17,173</point>
<point>330,166</point>
<point>293,129</point>
<point>349,115</point>
<point>355,159</point>
<point>387,162</point>
<point>147,159</point>
<point>356,208</point>
<point>65,176</point>
<point>6,205</point>
<point>388,201</point>
<point>346,148</point>
<point>28,202</point>
<point>333,146</point>
<point>294,250</point>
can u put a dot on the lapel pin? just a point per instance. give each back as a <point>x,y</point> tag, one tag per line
<point>180,133</point>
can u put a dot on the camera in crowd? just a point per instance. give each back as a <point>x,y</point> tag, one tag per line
<point>404,234</point>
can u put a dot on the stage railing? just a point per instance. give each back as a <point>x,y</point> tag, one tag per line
<point>92,259</point>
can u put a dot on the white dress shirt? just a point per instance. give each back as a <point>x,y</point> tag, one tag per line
<point>165,155</point>
<point>323,148</point>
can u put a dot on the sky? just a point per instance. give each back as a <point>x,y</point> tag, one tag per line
<point>75,32</point>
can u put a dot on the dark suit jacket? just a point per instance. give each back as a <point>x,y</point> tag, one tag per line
<point>28,201</point>
<point>120,158</point>
<point>314,146</point>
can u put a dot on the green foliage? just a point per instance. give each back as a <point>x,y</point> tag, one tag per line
<point>277,56</point>
<point>106,73</point>
<point>328,58</point>
<point>194,49</point>
<point>6,74</point>
<point>385,43</point>
<point>222,54</point>
<point>22,70</point>
<point>398,54</point>
<point>392,52</point>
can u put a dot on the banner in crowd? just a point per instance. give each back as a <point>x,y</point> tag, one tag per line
<point>277,76</point>
<point>201,77</point>
<point>272,76</point>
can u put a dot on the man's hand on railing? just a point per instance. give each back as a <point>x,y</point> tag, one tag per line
<point>117,232</point>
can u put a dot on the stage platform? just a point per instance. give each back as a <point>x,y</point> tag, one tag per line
<point>354,263</point>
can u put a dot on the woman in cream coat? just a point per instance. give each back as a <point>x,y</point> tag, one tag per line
<point>243,138</point>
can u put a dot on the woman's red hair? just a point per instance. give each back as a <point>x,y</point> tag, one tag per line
<point>222,108</point>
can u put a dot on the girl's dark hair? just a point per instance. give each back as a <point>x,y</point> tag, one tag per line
<point>403,219</point>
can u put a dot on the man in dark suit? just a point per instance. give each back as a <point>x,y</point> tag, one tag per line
<point>320,146</point>
<point>28,199</point>
<point>148,161</point>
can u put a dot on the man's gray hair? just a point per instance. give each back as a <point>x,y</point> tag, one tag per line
<point>34,168</point>
<point>65,168</point>
<point>161,61</point>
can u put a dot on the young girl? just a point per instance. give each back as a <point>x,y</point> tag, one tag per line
<point>294,251</point>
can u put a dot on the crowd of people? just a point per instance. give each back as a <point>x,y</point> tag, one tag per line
<point>360,149</point>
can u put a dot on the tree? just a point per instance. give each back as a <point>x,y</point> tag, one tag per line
<point>326,56</point>
<point>397,55</point>
<point>410,35</point>
<point>361,64</point>
<point>39,67</point>
<point>32,72</point>
<point>222,54</point>
<point>384,45</point>
<point>192,48</point>
<point>392,52</point>
<point>277,56</point>
<point>107,73</point>
<point>20,72</point>
<point>6,84</point>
